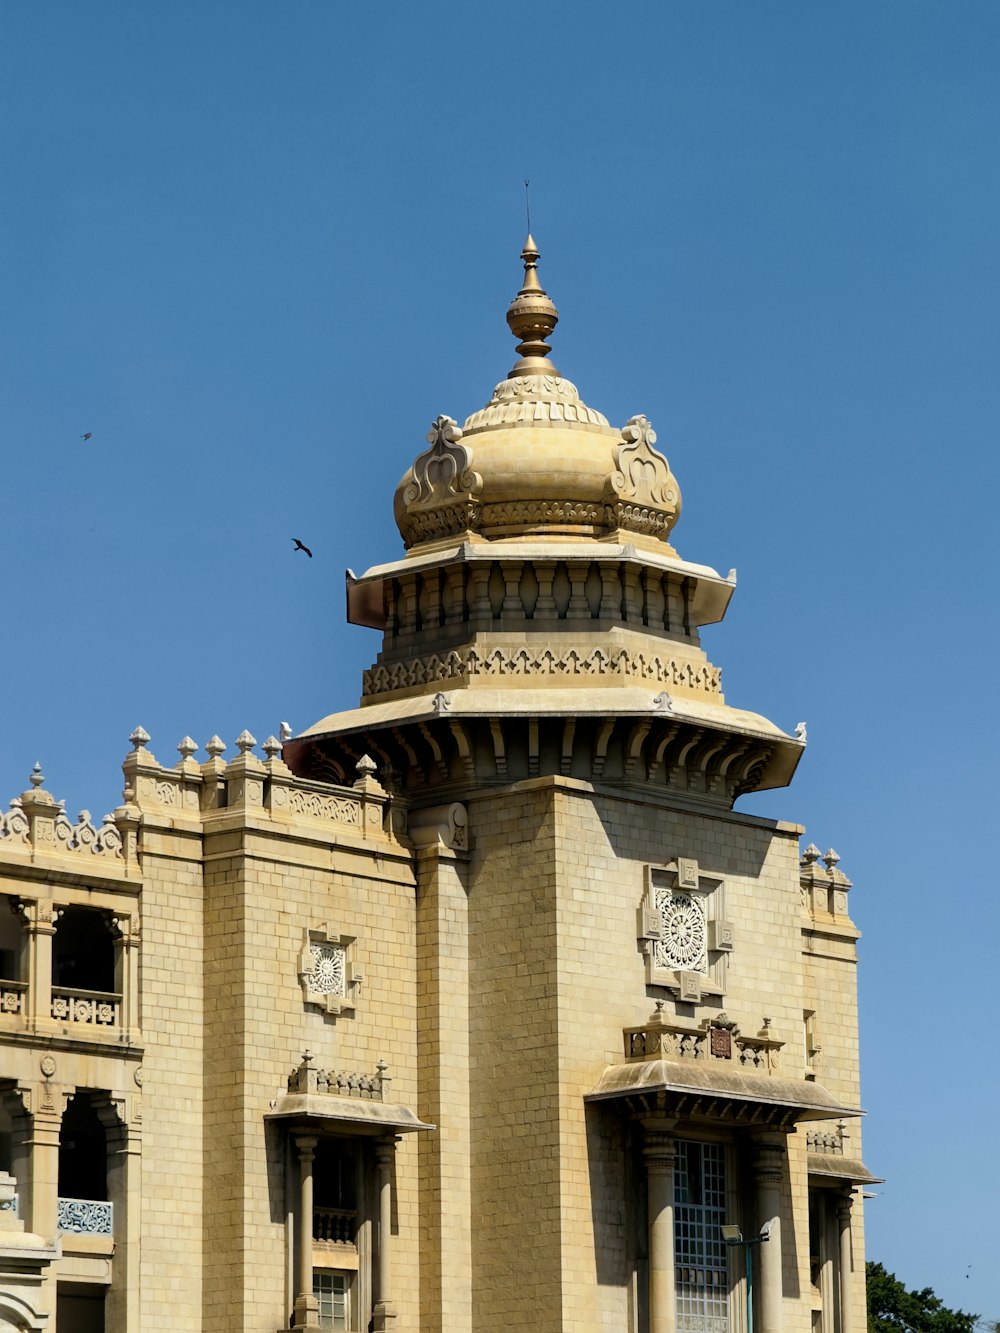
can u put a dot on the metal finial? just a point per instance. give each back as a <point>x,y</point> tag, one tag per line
<point>37,776</point>
<point>531,318</point>
<point>527,203</point>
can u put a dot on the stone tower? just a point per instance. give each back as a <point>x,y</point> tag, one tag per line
<point>476,1005</point>
<point>621,981</point>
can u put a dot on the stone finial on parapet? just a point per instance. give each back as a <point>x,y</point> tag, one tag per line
<point>139,763</point>
<point>824,885</point>
<point>245,775</point>
<point>213,773</point>
<point>366,781</point>
<point>304,1078</point>
<point>139,740</point>
<point>42,810</point>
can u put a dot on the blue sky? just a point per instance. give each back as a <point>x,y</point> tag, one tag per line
<point>256,248</point>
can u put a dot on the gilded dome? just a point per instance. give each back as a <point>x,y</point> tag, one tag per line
<point>536,460</point>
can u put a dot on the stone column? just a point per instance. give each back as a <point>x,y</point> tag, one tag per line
<point>659,1152</point>
<point>43,1146</point>
<point>545,607</point>
<point>385,1311</point>
<point>306,1309</point>
<point>480,611</point>
<point>768,1173</point>
<point>125,930</point>
<point>845,1266</point>
<point>611,593</point>
<point>40,925</point>
<point>125,1193</point>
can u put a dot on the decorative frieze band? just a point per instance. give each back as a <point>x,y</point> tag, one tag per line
<point>337,809</point>
<point>522,662</point>
<point>467,515</point>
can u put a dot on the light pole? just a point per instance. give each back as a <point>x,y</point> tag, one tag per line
<point>732,1235</point>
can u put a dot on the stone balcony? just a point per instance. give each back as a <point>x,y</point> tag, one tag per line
<point>74,1012</point>
<point>716,1039</point>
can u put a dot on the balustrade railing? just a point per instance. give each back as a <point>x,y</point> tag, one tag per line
<point>716,1039</point>
<point>88,1007</point>
<point>85,1217</point>
<point>335,1225</point>
<point>12,995</point>
<point>829,1142</point>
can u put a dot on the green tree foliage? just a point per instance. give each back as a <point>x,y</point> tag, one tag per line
<point>893,1309</point>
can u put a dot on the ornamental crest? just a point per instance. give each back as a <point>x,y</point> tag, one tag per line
<point>443,473</point>
<point>643,475</point>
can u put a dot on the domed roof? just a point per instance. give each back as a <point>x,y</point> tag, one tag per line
<point>536,460</point>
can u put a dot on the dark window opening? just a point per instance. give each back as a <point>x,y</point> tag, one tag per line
<point>83,1151</point>
<point>335,1192</point>
<point>83,952</point>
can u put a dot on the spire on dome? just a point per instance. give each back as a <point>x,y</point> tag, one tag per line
<point>531,318</point>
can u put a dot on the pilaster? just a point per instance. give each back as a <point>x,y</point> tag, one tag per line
<point>443,1038</point>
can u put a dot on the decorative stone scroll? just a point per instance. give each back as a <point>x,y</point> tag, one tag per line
<point>326,973</point>
<point>56,832</point>
<point>83,836</point>
<point>85,1217</point>
<point>14,824</point>
<point>644,492</point>
<point>440,486</point>
<point>700,676</point>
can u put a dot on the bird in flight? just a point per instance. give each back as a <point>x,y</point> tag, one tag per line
<point>88,435</point>
<point>301,546</point>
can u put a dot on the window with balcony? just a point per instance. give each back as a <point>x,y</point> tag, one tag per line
<point>335,1212</point>
<point>84,969</point>
<point>84,1205</point>
<point>337,1182</point>
<point>13,982</point>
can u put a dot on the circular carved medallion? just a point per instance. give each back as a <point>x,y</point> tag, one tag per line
<point>682,944</point>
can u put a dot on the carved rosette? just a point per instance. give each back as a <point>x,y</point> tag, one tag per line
<point>643,492</point>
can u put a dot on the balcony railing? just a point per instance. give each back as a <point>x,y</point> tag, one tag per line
<point>664,1038</point>
<point>12,995</point>
<point>92,1008</point>
<point>337,1226</point>
<point>85,1217</point>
